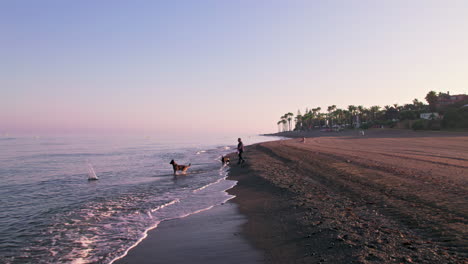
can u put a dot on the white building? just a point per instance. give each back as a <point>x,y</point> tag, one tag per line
<point>429,116</point>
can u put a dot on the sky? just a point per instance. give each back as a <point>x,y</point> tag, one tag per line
<point>218,67</point>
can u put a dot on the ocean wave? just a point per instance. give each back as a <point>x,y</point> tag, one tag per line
<point>8,138</point>
<point>221,172</point>
<point>145,234</point>
<point>164,205</point>
<point>66,219</point>
<point>224,197</point>
<point>208,185</point>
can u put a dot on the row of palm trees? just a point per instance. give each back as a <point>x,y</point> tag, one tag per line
<point>285,122</point>
<point>352,116</point>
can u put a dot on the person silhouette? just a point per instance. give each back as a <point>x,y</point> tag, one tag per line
<point>240,150</point>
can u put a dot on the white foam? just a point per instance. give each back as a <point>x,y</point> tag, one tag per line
<point>164,205</point>
<point>145,233</point>
<point>222,172</point>
<point>208,185</point>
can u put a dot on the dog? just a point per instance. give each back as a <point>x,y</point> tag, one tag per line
<point>178,167</point>
<point>225,160</point>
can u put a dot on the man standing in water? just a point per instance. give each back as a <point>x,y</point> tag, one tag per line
<point>240,150</point>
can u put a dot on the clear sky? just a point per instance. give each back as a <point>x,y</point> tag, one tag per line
<point>218,66</point>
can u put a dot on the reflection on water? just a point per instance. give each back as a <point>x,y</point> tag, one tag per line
<point>50,212</point>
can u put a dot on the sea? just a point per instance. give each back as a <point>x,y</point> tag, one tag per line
<point>51,213</point>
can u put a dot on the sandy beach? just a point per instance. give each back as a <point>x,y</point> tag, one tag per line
<point>212,236</point>
<point>391,196</point>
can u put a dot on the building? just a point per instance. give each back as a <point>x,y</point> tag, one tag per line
<point>429,116</point>
<point>445,99</point>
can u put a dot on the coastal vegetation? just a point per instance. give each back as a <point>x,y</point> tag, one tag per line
<point>441,111</point>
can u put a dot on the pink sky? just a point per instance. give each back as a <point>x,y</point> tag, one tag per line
<point>219,67</point>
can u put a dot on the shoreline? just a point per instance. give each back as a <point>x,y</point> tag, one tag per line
<point>210,236</point>
<point>177,240</point>
<point>273,219</point>
<point>391,196</point>
<point>152,228</point>
<point>151,233</point>
<point>379,132</point>
<point>327,201</point>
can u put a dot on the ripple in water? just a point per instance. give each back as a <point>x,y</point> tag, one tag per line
<point>50,213</point>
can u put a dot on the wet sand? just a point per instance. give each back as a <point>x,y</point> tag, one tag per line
<point>391,196</point>
<point>211,237</point>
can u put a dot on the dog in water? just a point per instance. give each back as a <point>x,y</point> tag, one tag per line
<point>225,160</point>
<point>178,167</point>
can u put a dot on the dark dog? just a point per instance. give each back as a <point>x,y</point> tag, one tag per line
<point>178,167</point>
<point>225,160</point>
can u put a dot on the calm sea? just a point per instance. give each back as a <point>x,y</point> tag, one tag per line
<point>51,213</point>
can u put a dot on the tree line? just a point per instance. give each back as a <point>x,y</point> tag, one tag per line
<point>375,116</point>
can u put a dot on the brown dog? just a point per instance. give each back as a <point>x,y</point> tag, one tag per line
<point>178,167</point>
<point>225,160</point>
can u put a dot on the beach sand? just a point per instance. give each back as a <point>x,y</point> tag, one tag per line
<point>211,237</point>
<point>391,196</point>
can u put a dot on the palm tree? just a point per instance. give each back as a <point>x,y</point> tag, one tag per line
<point>352,110</point>
<point>285,126</point>
<point>330,109</point>
<point>339,115</point>
<point>399,108</point>
<point>432,99</point>
<point>346,116</point>
<point>309,119</point>
<point>289,116</point>
<point>374,109</point>
<point>283,121</point>
<point>298,120</point>
<point>418,105</point>
<point>360,113</point>
<point>279,127</point>
<point>366,114</point>
<point>318,115</point>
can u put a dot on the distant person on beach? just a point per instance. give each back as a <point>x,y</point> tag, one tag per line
<point>240,150</point>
